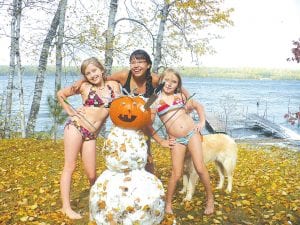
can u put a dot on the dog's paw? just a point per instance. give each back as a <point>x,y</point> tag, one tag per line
<point>187,198</point>
<point>228,191</point>
<point>219,187</point>
<point>182,191</point>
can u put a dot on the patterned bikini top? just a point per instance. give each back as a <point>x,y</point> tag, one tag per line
<point>94,99</point>
<point>163,107</point>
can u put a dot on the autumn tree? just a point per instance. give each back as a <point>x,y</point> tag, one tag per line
<point>109,35</point>
<point>55,109</point>
<point>14,66</point>
<point>168,28</point>
<point>296,52</point>
<point>182,26</point>
<point>43,60</point>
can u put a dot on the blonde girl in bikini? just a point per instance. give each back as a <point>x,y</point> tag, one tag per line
<point>84,124</point>
<point>172,107</point>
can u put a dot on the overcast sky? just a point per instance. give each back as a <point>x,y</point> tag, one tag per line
<point>261,37</point>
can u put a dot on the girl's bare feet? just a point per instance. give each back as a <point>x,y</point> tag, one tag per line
<point>168,210</point>
<point>209,209</point>
<point>71,214</point>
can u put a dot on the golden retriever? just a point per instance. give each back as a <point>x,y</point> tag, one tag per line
<point>219,148</point>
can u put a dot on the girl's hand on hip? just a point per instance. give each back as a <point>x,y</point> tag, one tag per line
<point>198,127</point>
<point>172,143</point>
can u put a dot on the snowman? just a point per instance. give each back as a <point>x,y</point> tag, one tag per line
<point>126,194</point>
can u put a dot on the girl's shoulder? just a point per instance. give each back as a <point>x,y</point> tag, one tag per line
<point>155,79</point>
<point>179,96</point>
<point>80,85</point>
<point>120,76</point>
<point>113,84</point>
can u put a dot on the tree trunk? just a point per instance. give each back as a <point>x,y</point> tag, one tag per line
<point>109,35</point>
<point>39,82</point>
<point>12,65</point>
<point>59,46</point>
<point>58,72</point>
<point>160,37</point>
<point>19,70</point>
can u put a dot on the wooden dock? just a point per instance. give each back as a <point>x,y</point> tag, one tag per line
<point>214,124</point>
<point>274,129</point>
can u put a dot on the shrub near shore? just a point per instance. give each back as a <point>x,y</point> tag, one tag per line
<point>266,187</point>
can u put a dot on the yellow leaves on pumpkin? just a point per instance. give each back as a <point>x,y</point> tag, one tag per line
<point>101,204</point>
<point>130,209</point>
<point>146,208</point>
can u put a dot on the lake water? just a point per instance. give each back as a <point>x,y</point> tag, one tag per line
<point>268,98</point>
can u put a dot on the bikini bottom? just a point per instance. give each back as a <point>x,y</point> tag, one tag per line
<point>185,140</point>
<point>85,133</point>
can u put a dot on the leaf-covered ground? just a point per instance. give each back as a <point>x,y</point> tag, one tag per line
<point>266,187</point>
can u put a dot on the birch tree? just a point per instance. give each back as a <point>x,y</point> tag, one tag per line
<point>20,70</point>
<point>59,46</point>
<point>110,43</point>
<point>182,25</point>
<point>39,82</point>
<point>167,27</point>
<point>110,36</point>
<point>160,35</point>
<point>56,109</point>
<point>12,66</point>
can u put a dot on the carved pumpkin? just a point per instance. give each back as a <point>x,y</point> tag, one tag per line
<point>128,112</point>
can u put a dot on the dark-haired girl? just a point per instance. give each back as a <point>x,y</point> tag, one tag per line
<point>139,80</point>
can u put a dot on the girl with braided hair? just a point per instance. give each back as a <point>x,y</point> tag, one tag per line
<point>139,80</point>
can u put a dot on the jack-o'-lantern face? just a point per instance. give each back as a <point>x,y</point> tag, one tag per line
<point>128,112</point>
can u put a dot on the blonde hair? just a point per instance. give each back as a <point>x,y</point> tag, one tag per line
<point>172,71</point>
<point>95,62</point>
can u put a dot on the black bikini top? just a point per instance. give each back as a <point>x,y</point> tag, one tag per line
<point>126,88</point>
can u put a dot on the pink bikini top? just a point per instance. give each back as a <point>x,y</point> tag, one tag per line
<point>94,99</point>
<point>163,107</point>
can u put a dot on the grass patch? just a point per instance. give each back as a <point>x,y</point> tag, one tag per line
<point>266,187</point>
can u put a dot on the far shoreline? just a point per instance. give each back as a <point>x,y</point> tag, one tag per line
<point>197,72</point>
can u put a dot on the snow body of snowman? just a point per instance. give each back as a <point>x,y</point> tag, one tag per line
<point>126,194</point>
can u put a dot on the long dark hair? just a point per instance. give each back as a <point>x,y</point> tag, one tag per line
<point>141,54</point>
